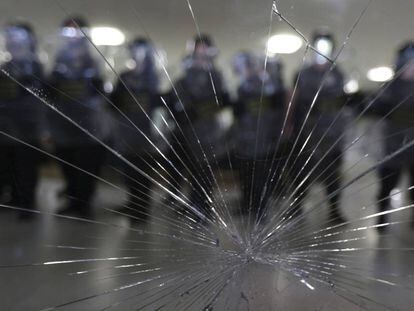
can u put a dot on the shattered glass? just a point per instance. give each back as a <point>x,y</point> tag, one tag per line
<point>227,206</point>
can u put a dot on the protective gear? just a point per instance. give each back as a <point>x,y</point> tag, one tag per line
<point>76,93</point>
<point>245,64</point>
<point>143,83</point>
<point>400,91</point>
<point>76,88</point>
<point>142,52</point>
<point>199,100</point>
<point>405,61</point>
<point>274,69</point>
<point>398,130</point>
<point>323,123</point>
<point>20,41</point>
<point>201,52</point>
<point>324,43</point>
<point>253,80</point>
<point>202,46</point>
<point>197,113</point>
<point>74,27</point>
<point>74,53</point>
<point>258,127</point>
<point>21,114</point>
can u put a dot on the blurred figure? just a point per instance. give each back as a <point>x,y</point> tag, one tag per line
<point>22,115</point>
<point>399,128</point>
<point>76,88</point>
<point>137,95</point>
<point>323,123</point>
<point>202,97</point>
<point>260,112</point>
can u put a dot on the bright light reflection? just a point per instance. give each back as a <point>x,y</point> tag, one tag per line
<point>284,44</point>
<point>380,74</point>
<point>352,86</point>
<point>109,36</point>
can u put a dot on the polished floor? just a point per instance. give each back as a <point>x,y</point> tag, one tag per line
<point>114,263</point>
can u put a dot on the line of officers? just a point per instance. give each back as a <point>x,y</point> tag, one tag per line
<point>274,143</point>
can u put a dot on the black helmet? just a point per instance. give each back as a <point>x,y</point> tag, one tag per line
<point>405,54</point>
<point>21,25</point>
<point>139,42</point>
<point>202,39</point>
<point>75,21</point>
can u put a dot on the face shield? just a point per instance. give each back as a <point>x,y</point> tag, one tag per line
<point>74,43</point>
<point>325,47</point>
<point>205,51</point>
<point>245,65</point>
<point>19,43</point>
<point>201,54</point>
<point>143,57</point>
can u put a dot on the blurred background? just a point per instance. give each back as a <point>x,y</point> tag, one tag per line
<point>206,155</point>
<point>234,25</point>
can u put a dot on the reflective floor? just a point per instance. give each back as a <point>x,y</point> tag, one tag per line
<point>116,263</point>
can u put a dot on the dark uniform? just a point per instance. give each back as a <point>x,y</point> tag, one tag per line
<point>204,139</point>
<point>22,116</point>
<point>258,127</point>
<point>329,102</point>
<point>398,129</point>
<point>76,85</point>
<point>143,83</point>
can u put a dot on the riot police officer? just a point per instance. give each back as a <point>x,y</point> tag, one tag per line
<point>22,115</point>
<point>76,88</point>
<point>323,122</point>
<point>202,96</point>
<point>136,95</point>
<point>260,110</point>
<point>398,129</point>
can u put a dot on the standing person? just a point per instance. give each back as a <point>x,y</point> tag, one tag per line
<point>202,97</point>
<point>22,115</point>
<point>136,95</point>
<point>398,130</point>
<point>76,88</point>
<point>259,111</point>
<point>323,122</point>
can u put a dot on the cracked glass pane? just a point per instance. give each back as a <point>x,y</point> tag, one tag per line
<point>194,155</point>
